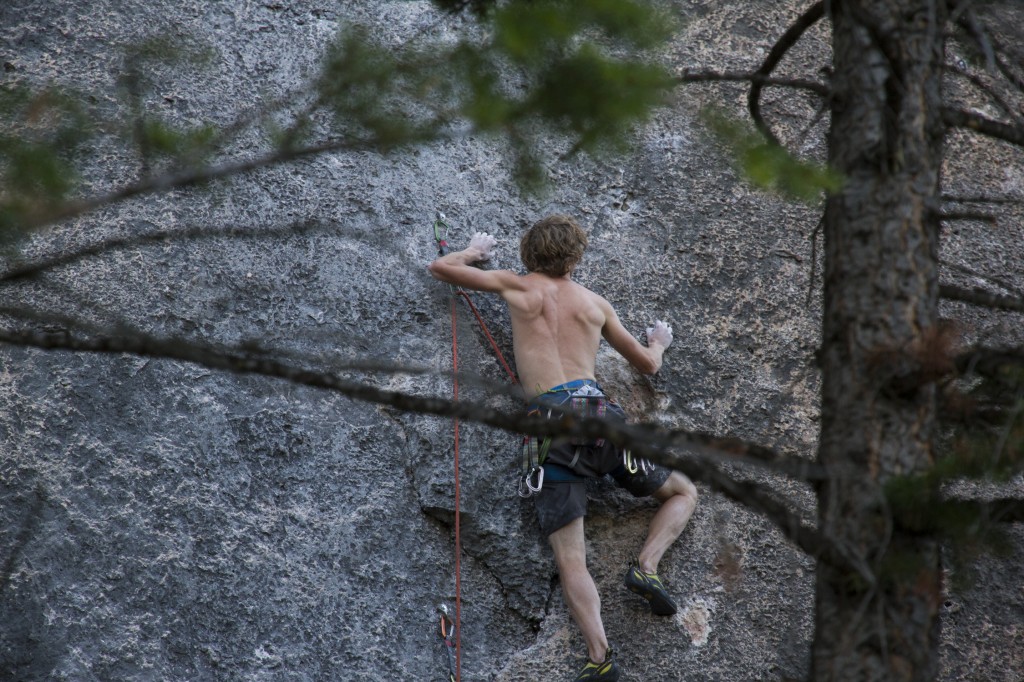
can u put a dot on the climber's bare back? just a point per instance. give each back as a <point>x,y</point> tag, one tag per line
<point>556,330</point>
<point>557,324</point>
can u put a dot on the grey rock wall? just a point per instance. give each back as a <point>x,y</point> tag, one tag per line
<point>163,521</point>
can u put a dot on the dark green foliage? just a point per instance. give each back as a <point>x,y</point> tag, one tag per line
<point>770,166</point>
<point>42,132</point>
<point>565,51</point>
<point>967,528</point>
<point>900,567</point>
<point>191,146</point>
<point>927,503</point>
<point>157,139</point>
<point>532,34</point>
<point>995,453</point>
<point>977,452</point>
<point>386,97</point>
<point>995,386</point>
<point>528,170</point>
<point>549,65</point>
<point>574,69</point>
<point>598,99</point>
<point>39,135</point>
<point>144,59</point>
<point>484,101</point>
<point>985,419</point>
<point>570,75</point>
<point>984,444</point>
<point>537,32</point>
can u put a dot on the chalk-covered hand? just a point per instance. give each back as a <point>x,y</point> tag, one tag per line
<point>483,243</point>
<point>660,333</point>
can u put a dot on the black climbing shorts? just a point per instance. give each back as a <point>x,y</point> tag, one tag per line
<point>561,502</point>
<point>567,466</point>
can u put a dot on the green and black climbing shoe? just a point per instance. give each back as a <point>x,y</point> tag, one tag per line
<point>650,587</point>
<point>606,670</point>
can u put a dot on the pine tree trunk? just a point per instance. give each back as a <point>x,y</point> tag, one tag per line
<point>881,294</point>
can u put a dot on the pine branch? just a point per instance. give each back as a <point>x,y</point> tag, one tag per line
<point>988,90</point>
<point>1002,510</point>
<point>646,441</point>
<point>950,216</point>
<point>968,20</point>
<point>810,540</point>
<point>194,177</point>
<point>998,281</point>
<point>980,297</point>
<point>958,118</point>
<point>981,199</point>
<point>643,439</point>
<point>989,361</point>
<point>688,76</point>
<point>986,43</point>
<point>792,34</point>
<point>27,270</point>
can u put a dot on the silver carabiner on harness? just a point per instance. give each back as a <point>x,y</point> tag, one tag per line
<point>526,484</point>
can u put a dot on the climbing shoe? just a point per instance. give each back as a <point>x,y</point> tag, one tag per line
<point>608,670</point>
<point>650,587</point>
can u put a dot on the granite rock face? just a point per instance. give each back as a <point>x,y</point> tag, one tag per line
<point>164,521</point>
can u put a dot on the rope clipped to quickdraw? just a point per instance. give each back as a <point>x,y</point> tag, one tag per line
<point>456,627</point>
<point>447,634</point>
<point>441,228</point>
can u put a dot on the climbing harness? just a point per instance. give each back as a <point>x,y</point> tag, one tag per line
<point>582,398</point>
<point>448,628</point>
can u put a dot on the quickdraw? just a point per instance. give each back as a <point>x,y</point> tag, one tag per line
<point>535,451</point>
<point>532,481</point>
<point>447,634</point>
<point>441,239</point>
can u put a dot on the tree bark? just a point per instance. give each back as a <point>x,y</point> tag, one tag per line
<point>880,308</point>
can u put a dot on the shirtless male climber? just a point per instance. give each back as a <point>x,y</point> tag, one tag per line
<point>557,326</point>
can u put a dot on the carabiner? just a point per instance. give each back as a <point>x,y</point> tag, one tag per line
<point>441,239</point>
<point>523,490</point>
<point>539,472</point>
<point>447,630</point>
<point>629,462</point>
<point>446,624</point>
<point>527,482</point>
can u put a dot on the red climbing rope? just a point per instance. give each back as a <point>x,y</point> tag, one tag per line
<point>458,541</point>
<point>487,333</point>
<point>456,292</point>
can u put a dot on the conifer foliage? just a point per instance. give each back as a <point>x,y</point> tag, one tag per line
<point>909,413</point>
